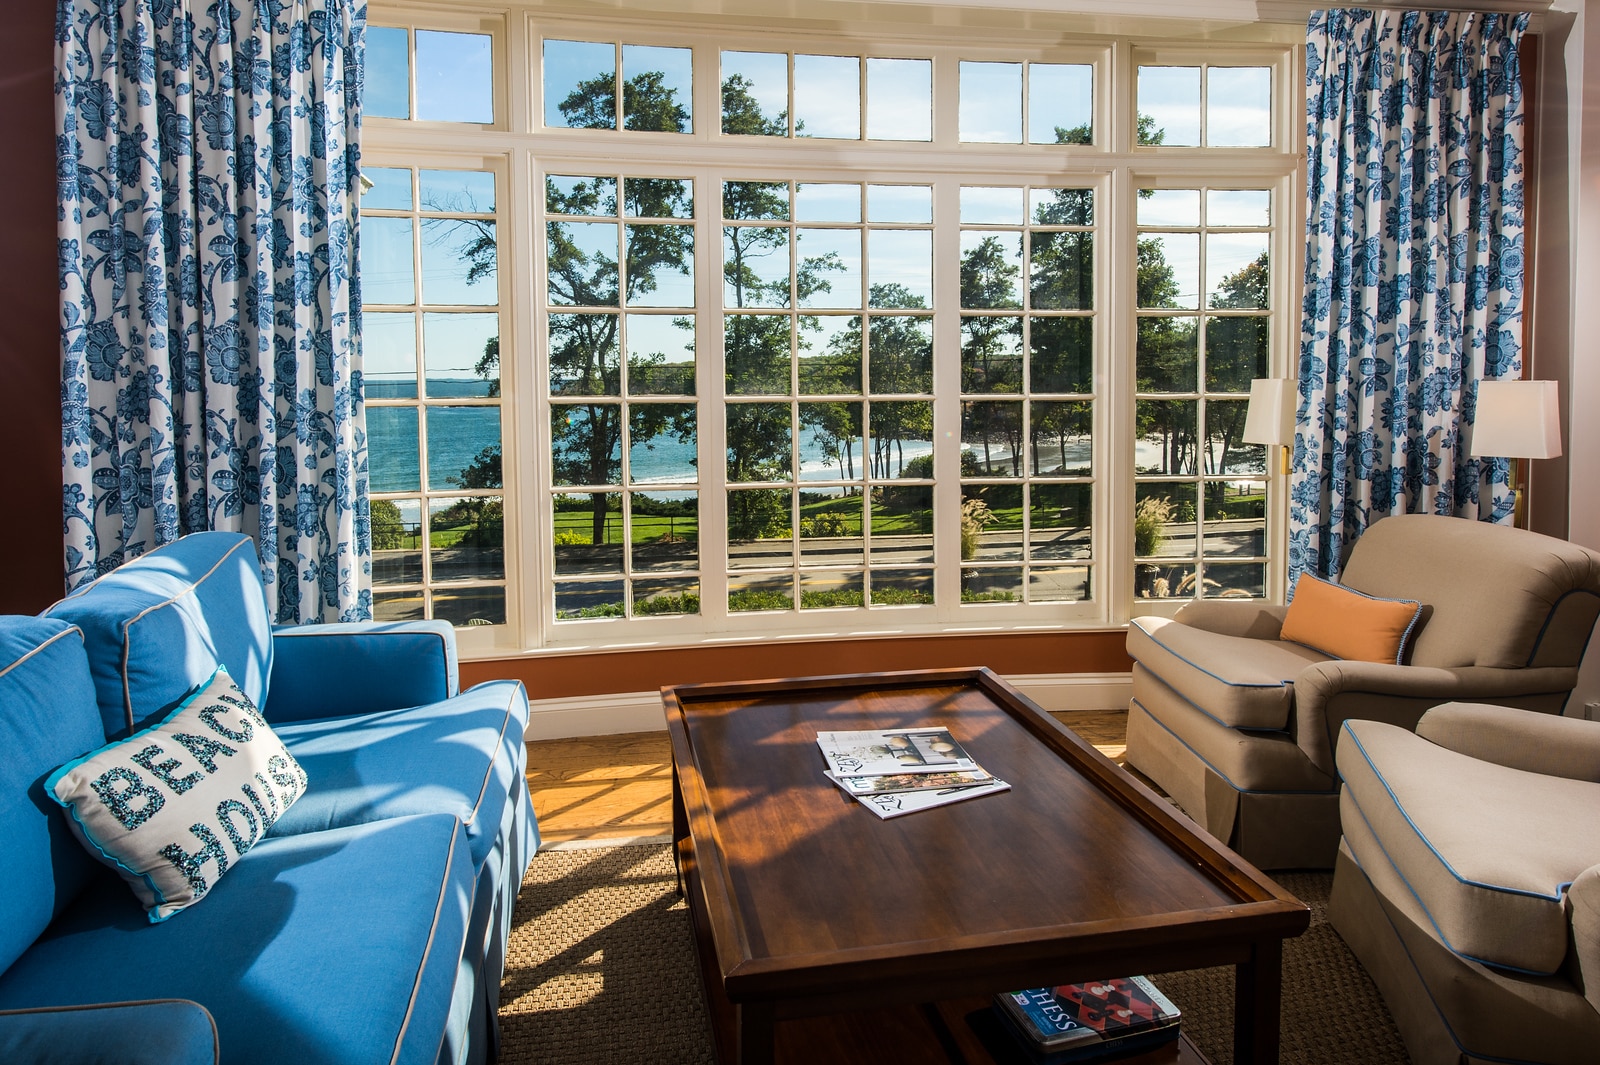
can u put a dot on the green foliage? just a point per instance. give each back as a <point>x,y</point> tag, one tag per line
<point>823,599</point>
<point>975,514</point>
<point>892,596</point>
<point>758,515</point>
<point>600,610</point>
<point>758,599</point>
<point>686,603</point>
<point>388,530</point>
<point>999,595</point>
<point>568,538</point>
<point>1150,518</point>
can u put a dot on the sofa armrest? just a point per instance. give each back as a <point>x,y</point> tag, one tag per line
<point>1583,917</point>
<point>1548,744</point>
<point>1234,617</point>
<point>1329,692</point>
<point>359,668</point>
<point>157,1032</point>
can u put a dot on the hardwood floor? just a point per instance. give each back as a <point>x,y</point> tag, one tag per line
<point>619,787</point>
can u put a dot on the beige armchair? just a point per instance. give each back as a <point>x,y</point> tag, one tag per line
<point>1468,881</point>
<point>1238,726</point>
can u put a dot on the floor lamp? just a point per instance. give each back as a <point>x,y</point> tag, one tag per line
<point>1517,420</point>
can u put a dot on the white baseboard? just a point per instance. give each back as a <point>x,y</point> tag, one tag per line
<point>607,715</point>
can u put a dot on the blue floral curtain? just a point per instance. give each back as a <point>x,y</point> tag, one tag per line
<point>1414,267</point>
<point>207,168</point>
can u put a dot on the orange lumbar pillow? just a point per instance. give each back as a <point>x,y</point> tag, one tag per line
<point>1349,624</point>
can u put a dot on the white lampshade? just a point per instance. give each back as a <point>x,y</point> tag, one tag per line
<point>1517,420</point>
<point>1270,417</point>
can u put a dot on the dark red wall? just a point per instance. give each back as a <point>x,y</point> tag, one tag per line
<point>30,355</point>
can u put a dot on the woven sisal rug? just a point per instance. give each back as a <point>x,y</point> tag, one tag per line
<point>601,970</point>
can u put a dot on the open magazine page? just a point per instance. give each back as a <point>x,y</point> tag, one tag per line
<point>912,781</point>
<point>893,751</point>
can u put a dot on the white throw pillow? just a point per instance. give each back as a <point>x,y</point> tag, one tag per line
<point>171,807</point>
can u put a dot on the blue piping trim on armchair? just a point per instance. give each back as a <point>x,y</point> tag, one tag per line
<point>1208,764</point>
<point>1550,617</point>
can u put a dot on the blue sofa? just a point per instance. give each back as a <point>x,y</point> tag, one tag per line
<point>370,925</point>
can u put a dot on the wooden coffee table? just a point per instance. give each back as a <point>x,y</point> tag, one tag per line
<point>827,934</point>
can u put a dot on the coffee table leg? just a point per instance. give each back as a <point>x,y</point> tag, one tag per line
<point>754,1032</point>
<point>680,825</point>
<point>1258,994</point>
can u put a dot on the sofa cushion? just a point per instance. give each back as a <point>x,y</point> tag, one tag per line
<point>330,948</point>
<point>165,1032</point>
<point>157,626</point>
<point>47,715</point>
<point>174,806</point>
<point>1488,851</point>
<point>364,767</point>
<point>1349,624</point>
<point>1239,681</point>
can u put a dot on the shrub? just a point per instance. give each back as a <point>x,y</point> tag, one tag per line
<point>975,514</point>
<point>1150,518</point>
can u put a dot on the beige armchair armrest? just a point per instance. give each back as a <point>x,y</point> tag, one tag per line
<point>1519,739</point>
<point>1234,617</point>
<point>1583,914</point>
<point>1329,692</point>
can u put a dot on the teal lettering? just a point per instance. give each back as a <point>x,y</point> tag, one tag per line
<point>121,801</point>
<point>210,716</point>
<point>204,749</point>
<point>272,798</point>
<point>225,811</point>
<point>291,780</point>
<point>163,770</point>
<point>211,850</point>
<point>244,706</point>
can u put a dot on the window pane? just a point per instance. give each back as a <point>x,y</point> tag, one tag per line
<point>829,267</point>
<point>392,456</point>
<point>1235,207</point>
<point>397,542</point>
<point>458,261</point>
<point>1238,106</point>
<point>1061,207</point>
<point>457,191</point>
<point>991,102</point>
<point>991,354</point>
<point>755,201</point>
<point>1060,445</point>
<point>470,606</point>
<point>1165,358</point>
<point>583,355</point>
<point>1236,353</point>
<point>660,355</point>
<point>827,203</point>
<point>1163,522</point>
<point>455,77</point>
<point>755,93</point>
<point>991,522</point>
<point>389,355</point>
<point>755,266</point>
<point>1169,105</point>
<point>900,433</point>
<point>830,528</point>
<point>765,592</point>
<point>991,269</point>
<point>899,203</point>
<point>581,261</point>
<point>830,442</point>
<point>899,268</point>
<point>666,532</point>
<point>580,84</point>
<point>468,538</point>
<point>1060,103</point>
<point>756,354</point>
<point>661,443</point>
<point>1237,270</point>
<point>585,444</point>
<point>991,206</point>
<point>1061,521</point>
<point>386,275</point>
<point>1058,584</point>
<point>759,442</point>
<point>1061,271</point>
<point>397,606</point>
<point>760,529</point>
<point>657,88</point>
<point>830,355</point>
<point>660,265</point>
<point>901,354</point>
<point>1235,519</point>
<point>1226,453</point>
<point>679,595</point>
<point>1169,270</point>
<point>391,190</point>
<point>658,197</point>
<point>580,195</point>
<point>902,521</point>
<point>992,585</point>
<point>386,86</point>
<point>822,591</point>
<point>900,587</point>
<point>464,447</point>
<point>588,535</point>
<point>993,433</point>
<point>1235,580</point>
<point>579,600</point>
<point>461,355</point>
<point>1061,354</point>
<point>827,96</point>
<point>1169,207</point>
<point>1166,443</point>
<point>899,99</point>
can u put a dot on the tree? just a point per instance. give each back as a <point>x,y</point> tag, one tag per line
<point>1236,352</point>
<point>388,530</point>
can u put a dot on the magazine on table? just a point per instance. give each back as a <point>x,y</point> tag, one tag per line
<point>893,751</point>
<point>895,803</point>
<point>893,782</point>
<point>1126,1012</point>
